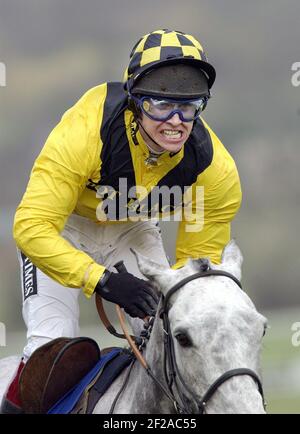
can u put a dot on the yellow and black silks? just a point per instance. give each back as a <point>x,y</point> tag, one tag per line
<point>93,146</point>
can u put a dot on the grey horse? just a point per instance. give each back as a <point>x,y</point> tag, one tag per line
<point>215,328</point>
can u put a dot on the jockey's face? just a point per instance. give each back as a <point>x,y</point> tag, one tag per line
<point>170,135</point>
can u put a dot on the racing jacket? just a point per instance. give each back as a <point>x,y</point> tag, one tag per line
<point>96,164</point>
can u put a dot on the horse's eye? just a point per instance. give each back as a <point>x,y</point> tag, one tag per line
<point>266,326</point>
<point>183,340</point>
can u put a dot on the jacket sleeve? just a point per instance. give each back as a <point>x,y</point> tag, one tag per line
<point>214,200</point>
<point>58,177</point>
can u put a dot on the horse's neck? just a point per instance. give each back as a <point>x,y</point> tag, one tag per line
<point>148,397</point>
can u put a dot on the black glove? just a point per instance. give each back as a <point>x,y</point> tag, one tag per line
<point>135,295</point>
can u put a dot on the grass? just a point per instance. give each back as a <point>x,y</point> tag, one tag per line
<point>283,404</point>
<point>281,363</point>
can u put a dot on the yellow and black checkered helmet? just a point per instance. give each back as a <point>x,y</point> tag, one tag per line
<point>166,47</point>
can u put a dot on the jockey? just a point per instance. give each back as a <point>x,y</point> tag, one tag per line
<point>125,155</point>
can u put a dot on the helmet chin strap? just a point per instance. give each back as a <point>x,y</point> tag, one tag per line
<point>148,135</point>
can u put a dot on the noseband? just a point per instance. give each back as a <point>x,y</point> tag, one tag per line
<point>172,374</point>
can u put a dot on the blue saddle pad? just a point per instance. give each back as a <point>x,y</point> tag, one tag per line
<point>69,400</point>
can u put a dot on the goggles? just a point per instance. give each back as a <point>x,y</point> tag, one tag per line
<point>163,109</point>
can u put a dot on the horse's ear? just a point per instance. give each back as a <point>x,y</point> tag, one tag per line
<point>157,273</point>
<point>232,259</point>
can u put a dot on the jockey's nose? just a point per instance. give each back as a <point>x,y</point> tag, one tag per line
<point>175,119</point>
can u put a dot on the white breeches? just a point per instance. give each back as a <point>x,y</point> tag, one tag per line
<point>51,310</point>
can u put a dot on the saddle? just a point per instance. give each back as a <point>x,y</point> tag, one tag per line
<point>53,370</point>
<point>83,398</point>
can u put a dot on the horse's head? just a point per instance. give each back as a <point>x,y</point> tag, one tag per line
<point>215,328</point>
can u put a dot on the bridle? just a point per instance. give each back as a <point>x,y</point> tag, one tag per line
<point>174,387</point>
<point>172,374</point>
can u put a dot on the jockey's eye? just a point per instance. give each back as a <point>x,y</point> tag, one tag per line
<point>183,340</point>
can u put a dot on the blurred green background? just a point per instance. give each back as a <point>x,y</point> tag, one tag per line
<point>55,50</point>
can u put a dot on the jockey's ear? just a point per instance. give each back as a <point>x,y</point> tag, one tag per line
<point>232,259</point>
<point>160,274</point>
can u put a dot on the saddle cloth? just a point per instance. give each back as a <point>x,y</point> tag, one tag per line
<point>83,397</point>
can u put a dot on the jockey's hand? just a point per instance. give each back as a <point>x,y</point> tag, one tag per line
<point>135,295</point>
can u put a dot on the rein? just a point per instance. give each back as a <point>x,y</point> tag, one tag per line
<point>173,378</point>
